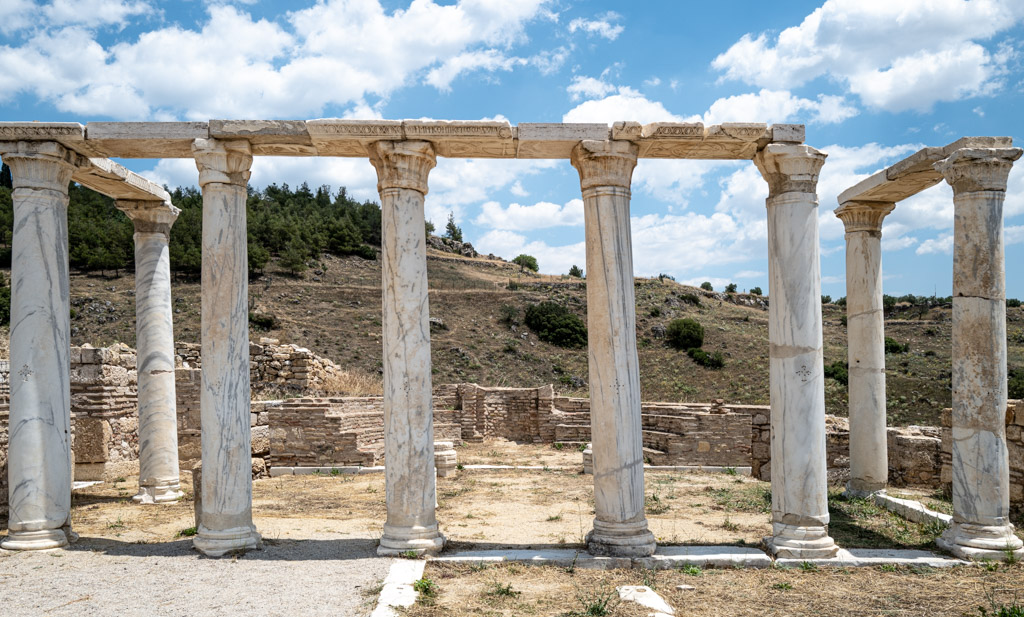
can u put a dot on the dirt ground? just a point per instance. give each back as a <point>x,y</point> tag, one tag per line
<point>519,590</point>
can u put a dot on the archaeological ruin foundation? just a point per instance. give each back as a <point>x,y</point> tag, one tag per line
<point>45,157</point>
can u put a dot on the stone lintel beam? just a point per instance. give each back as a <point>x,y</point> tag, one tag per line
<point>114,180</point>
<point>449,138</point>
<point>864,215</point>
<point>915,173</point>
<point>145,140</point>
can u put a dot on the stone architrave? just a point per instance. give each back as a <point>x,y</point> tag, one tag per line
<point>865,327</point>
<point>620,526</point>
<point>154,333</point>
<point>226,524</point>
<point>410,481</point>
<point>981,526</point>
<point>39,455</point>
<point>797,382</point>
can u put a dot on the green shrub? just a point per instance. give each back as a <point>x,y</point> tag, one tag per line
<point>706,286</point>
<point>838,371</point>
<point>1012,302</point>
<point>556,324</point>
<point>894,346</point>
<point>509,315</point>
<point>705,359</point>
<point>756,291</point>
<point>1015,386</point>
<point>262,321</point>
<point>693,299</point>
<point>526,262</point>
<point>685,334</point>
<point>576,271</point>
<point>826,299</point>
<point>730,288</point>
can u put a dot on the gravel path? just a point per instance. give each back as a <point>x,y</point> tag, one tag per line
<point>337,577</point>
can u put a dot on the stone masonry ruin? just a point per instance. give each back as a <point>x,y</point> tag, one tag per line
<point>45,157</point>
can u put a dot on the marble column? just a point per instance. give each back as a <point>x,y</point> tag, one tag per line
<point>865,336</point>
<point>410,493</point>
<point>796,377</point>
<point>981,527</point>
<point>226,524</point>
<point>39,451</point>
<point>620,526</point>
<point>154,335</point>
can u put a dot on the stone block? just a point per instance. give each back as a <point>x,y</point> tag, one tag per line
<point>261,441</point>
<point>92,440</point>
<point>259,468</point>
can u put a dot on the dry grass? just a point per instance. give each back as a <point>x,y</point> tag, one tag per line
<point>354,383</point>
<point>468,591</point>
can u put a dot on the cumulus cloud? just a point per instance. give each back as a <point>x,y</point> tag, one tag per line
<point>551,259</point>
<point>588,88</point>
<point>779,106</point>
<point>893,55</point>
<point>602,26</point>
<point>540,215</point>
<point>932,246</point>
<point>238,66</point>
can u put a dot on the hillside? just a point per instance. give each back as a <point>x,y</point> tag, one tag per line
<point>334,309</point>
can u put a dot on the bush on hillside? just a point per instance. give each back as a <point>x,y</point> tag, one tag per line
<point>838,371</point>
<point>894,346</point>
<point>526,262</point>
<point>730,288</point>
<point>1015,387</point>
<point>685,334</point>
<point>706,286</point>
<point>555,324</point>
<point>705,359</point>
<point>756,291</point>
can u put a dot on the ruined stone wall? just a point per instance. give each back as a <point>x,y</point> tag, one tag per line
<point>914,451</point>
<point>1014,444</point>
<point>272,365</point>
<point>104,412</point>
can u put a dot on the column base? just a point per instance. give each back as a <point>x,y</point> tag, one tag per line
<point>975,542</point>
<point>397,541</point>
<point>862,491</point>
<point>162,493</point>
<point>38,540</point>
<point>801,542</point>
<point>621,539</point>
<point>222,541</point>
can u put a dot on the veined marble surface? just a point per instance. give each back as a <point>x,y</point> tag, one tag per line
<point>620,525</point>
<point>226,523</point>
<point>39,455</point>
<point>410,490</point>
<point>154,334</point>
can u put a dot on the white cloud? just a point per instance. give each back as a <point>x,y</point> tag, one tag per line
<point>628,104</point>
<point>551,259</point>
<point>540,215</point>
<point>238,66</point>
<point>652,82</point>
<point>458,183</point>
<point>18,15</point>
<point>518,190</point>
<point>934,246</point>
<point>778,106</point>
<point>749,274</point>
<point>588,87</point>
<point>602,26</point>
<point>894,55</point>
<point>1013,235</point>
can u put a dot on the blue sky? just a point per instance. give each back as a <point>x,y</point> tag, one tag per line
<point>873,80</point>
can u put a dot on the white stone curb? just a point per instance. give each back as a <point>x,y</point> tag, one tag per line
<point>863,557</point>
<point>398,590</point>
<point>670,557</point>
<point>911,510</point>
<point>563,557</point>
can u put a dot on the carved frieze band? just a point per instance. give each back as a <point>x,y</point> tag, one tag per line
<point>402,164</point>
<point>978,169</point>
<point>863,215</point>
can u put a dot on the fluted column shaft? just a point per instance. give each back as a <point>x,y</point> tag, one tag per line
<point>865,327</point>
<point>796,379</point>
<point>981,473</point>
<point>39,451</point>
<point>154,335</point>
<point>226,523</point>
<point>410,493</point>
<point>620,526</point>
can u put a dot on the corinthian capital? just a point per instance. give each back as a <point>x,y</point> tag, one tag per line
<point>604,163</point>
<point>222,161</point>
<point>41,165</point>
<point>864,215</point>
<point>402,164</point>
<point>790,168</point>
<point>978,169</point>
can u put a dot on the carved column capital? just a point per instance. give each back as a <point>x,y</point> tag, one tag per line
<point>607,163</point>
<point>150,216</point>
<point>978,169</point>
<point>864,215</point>
<point>402,164</point>
<point>790,168</point>
<point>41,165</point>
<point>222,161</point>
